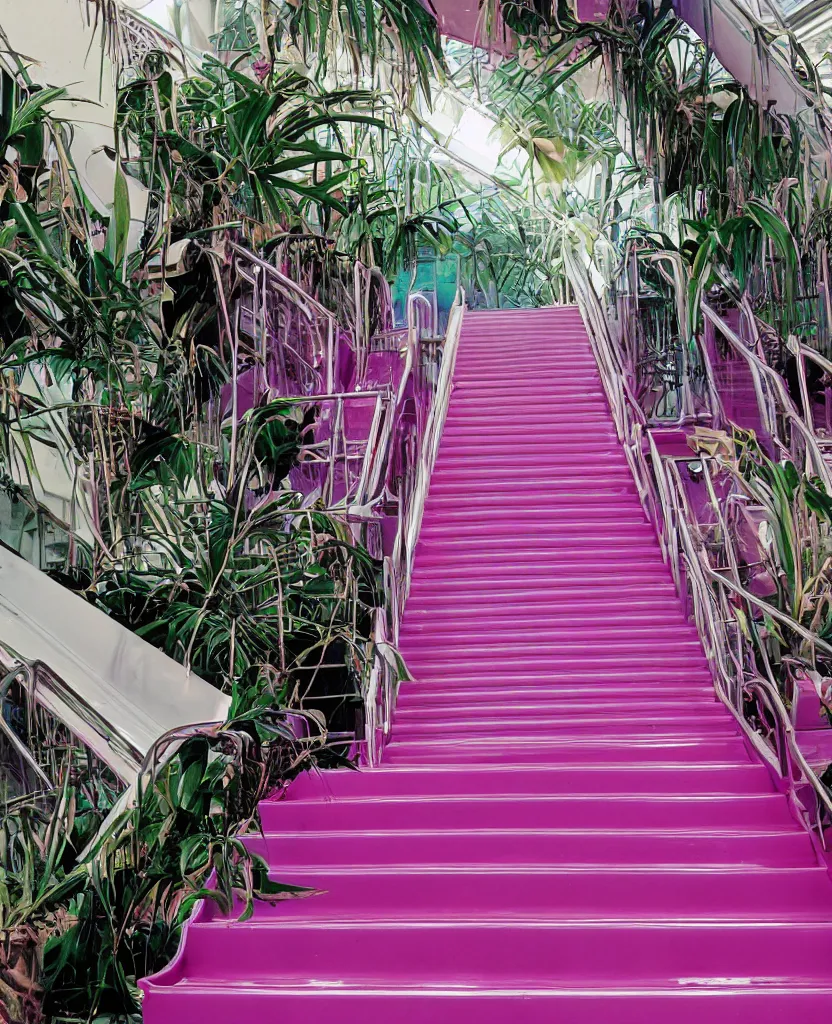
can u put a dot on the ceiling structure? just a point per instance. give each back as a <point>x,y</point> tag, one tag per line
<point>457,18</point>
<point>729,26</point>
<point>811,22</point>
<point>460,19</point>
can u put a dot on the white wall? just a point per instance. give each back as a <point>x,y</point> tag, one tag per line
<point>55,34</point>
<point>57,37</point>
<point>196,18</point>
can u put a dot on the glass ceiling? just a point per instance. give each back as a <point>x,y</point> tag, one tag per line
<point>809,20</point>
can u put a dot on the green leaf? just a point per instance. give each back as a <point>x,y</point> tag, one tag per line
<point>28,221</point>
<point>774,227</point>
<point>818,500</point>
<point>118,230</point>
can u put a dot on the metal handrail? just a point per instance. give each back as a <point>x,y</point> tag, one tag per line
<point>762,371</point>
<point>364,500</point>
<point>628,416</point>
<point>364,278</point>
<point>253,270</point>
<point>434,425</point>
<point>89,727</point>
<point>417,301</point>
<point>383,683</point>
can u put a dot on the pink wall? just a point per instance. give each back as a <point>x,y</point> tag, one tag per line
<point>458,18</point>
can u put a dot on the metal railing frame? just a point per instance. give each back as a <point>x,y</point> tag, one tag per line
<point>710,593</point>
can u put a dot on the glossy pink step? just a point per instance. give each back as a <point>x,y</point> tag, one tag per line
<point>660,893</point>
<point>564,749</point>
<point>540,848</point>
<point>201,1000</point>
<point>706,812</point>
<point>625,778</point>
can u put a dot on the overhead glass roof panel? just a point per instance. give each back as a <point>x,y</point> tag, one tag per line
<point>809,20</point>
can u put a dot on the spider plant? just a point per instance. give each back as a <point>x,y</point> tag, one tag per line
<point>775,528</point>
<point>385,42</point>
<point>85,913</point>
<point>181,524</point>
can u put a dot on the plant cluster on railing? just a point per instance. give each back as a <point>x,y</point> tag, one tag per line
<point>759,625</point>
<point>668,368</point>
<point>96,886</point>
<point>760,605</point>
<point>361,417</point>
<point>785,419</point>
<point>224,440</point>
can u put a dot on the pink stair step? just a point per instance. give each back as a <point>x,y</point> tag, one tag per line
<point>538,848</point>
<point>562,749</point>
<point>497,513</point>
<point>718,892</point>
<point>527,623</point>
<point>537,610</point>
<point>194,1002</point>
<point>558,564</point>
<point>479,503</point>
<point>577,382</point>
<point>496,950</point>
<point>424,609</point>
<point>415,706</point>
<point>551,725</point>
<point>420,709</point>
<point>554,657</point>
<point>577,627</point>
<point>626,778</point>
<point>652,679</point>
<point>553,532</point>
<point>416,699</point>
<point>582,594</point>
<point>622,563</point>
<point>706,812</point>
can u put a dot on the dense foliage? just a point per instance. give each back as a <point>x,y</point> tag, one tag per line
<point>310,143</point>
<point>118,351</point>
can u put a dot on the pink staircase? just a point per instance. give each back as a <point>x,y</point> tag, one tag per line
<point>568,827</point>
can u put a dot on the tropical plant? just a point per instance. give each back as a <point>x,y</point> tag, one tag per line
<point>119,352</point>
<point>387,43</point>
<point>85,912</point>
<point>219,147</point>
<point>793,514</point>
<point>765,529</point>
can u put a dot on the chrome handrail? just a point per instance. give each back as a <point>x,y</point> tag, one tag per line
<point>760,371</point>
<point>382,687</point>
<point>434,425</point>
<point>628,416</point>
<point>371,484</point>
<point>254,270</point>
<point>90,728</point>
